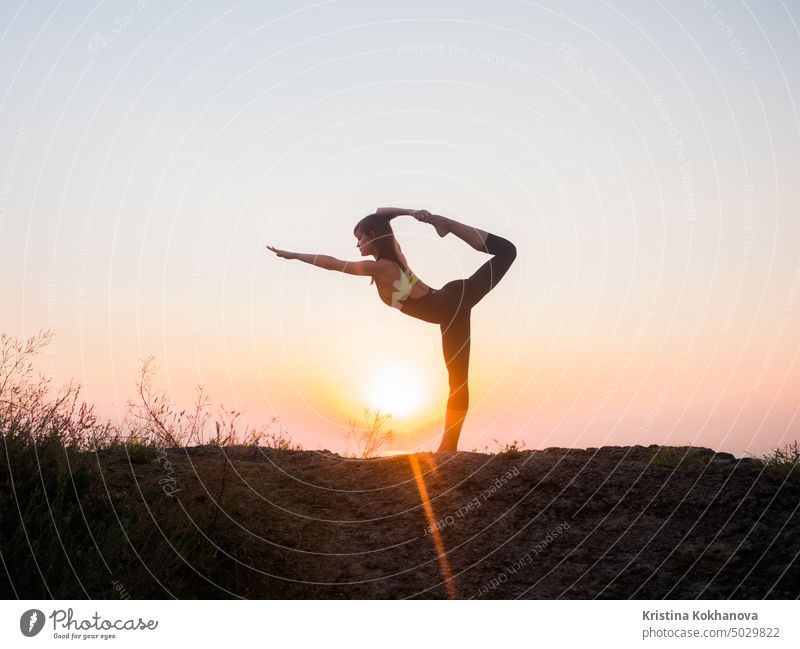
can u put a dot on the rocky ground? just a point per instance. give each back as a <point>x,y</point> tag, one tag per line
<point>614,522</point>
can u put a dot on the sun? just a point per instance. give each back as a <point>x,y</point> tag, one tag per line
<point>394,389</point>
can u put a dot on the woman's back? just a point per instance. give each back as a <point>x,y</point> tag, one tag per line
<point>397,285</point>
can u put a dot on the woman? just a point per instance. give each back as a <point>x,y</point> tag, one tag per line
<point>449,307</point>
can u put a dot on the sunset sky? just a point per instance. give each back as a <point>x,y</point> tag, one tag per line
<point>643,156</point>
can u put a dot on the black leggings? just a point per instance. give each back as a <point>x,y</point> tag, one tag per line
<point>451,306</point>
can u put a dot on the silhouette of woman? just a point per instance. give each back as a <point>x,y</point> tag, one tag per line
<point>450,306</point>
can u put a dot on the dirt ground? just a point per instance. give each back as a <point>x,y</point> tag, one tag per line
<point>555,523</point>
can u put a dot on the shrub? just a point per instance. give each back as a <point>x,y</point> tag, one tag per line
<point>371,438</point>
<point>783,461</point>
<point>67,534</point>
<point>511,449</point>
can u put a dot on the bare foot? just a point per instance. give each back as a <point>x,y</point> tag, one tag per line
<point>440,223</point>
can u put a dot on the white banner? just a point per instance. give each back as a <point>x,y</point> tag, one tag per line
<point>388,624</point>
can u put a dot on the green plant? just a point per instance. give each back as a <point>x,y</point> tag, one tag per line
<point>154,419</point>
<point>137,450</point>
<point>49,488</point>
<point>73,532</point>
<point>511,449</point>
<point>672,457</point>
<point>783,460</point>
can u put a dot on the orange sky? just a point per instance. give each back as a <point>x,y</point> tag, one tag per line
<point>644,168</point>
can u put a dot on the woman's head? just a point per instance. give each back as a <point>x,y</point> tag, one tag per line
<point>376,237</point>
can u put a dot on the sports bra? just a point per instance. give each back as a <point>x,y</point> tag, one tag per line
<point>401,296</point>
<point>403,285</point>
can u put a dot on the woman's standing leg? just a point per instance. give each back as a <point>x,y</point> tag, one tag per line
<point>456,334</point>
<point>455,346</point>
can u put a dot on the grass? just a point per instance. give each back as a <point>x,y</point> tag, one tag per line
<point>671,457</point>
<point>62,534</point>
<point>138,451</point>
<point>783,460</point>
<point>511,449</point>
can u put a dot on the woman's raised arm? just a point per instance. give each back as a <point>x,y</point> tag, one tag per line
<point>391,212</point>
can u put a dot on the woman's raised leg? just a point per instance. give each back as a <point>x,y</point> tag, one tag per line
<point>473,236</point>
<point>491,272</point>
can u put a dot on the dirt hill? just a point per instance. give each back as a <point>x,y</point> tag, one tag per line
<point>614,522</point>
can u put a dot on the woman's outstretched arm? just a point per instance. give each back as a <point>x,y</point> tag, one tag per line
<point>371,268</point>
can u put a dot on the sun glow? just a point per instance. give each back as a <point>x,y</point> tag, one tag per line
<point>394,389</point>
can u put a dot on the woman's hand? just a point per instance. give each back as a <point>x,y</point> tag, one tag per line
<point>285,254</point>
<point>438,222</point>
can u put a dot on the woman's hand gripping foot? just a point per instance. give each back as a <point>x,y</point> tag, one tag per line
<point>439,222</point>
